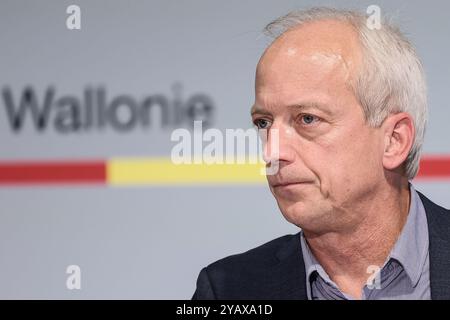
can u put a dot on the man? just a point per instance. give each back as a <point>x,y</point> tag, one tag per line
<point>349,106</point>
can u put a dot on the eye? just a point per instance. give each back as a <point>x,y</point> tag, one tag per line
<point>308,119</point>
<point>261,123</point>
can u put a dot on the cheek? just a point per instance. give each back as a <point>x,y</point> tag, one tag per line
<point>365,156</point>
<point>344,164</point>
<point>358,165</point>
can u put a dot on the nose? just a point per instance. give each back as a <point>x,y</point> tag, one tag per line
<point>279,144</point>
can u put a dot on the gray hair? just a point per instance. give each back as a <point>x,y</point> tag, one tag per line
<point>391,80</point>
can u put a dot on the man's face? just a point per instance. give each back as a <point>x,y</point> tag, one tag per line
<point>329,158</point>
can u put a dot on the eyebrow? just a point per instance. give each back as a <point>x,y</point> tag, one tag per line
<point>257,109</point>
<point>303,105</point>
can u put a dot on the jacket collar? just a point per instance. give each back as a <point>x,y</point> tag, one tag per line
<point>439,249</point>
<point>291,270</point>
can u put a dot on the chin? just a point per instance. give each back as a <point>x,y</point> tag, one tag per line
<point>305,216</point>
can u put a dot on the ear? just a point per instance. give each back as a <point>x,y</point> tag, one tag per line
<point>399,133</point>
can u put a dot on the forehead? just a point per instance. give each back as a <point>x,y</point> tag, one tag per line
<point>320,39</point>
<point>315,61</point>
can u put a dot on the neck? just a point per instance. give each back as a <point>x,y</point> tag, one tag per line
<point>350,256</point>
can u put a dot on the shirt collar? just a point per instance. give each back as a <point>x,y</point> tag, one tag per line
<point>311,265</point>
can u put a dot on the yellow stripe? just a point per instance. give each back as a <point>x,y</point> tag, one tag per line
<point>161,171</point>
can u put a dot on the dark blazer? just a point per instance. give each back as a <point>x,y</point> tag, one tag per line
<point>276,270</point>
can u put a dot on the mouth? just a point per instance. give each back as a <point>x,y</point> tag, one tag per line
<point>288,184</point>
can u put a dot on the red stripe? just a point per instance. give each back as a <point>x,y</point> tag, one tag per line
<point>53,172</point>
<point>435,167</point>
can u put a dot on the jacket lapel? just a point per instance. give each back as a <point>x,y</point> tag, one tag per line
<point>439,250</point>
<point>291,272</point>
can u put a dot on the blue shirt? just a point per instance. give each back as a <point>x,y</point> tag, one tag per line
<point>404,275</point>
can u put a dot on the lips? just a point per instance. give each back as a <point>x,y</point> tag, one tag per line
<point>283,184</point>
<point>286,184</point>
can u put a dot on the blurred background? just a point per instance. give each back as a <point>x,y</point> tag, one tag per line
<point>85,113</point>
